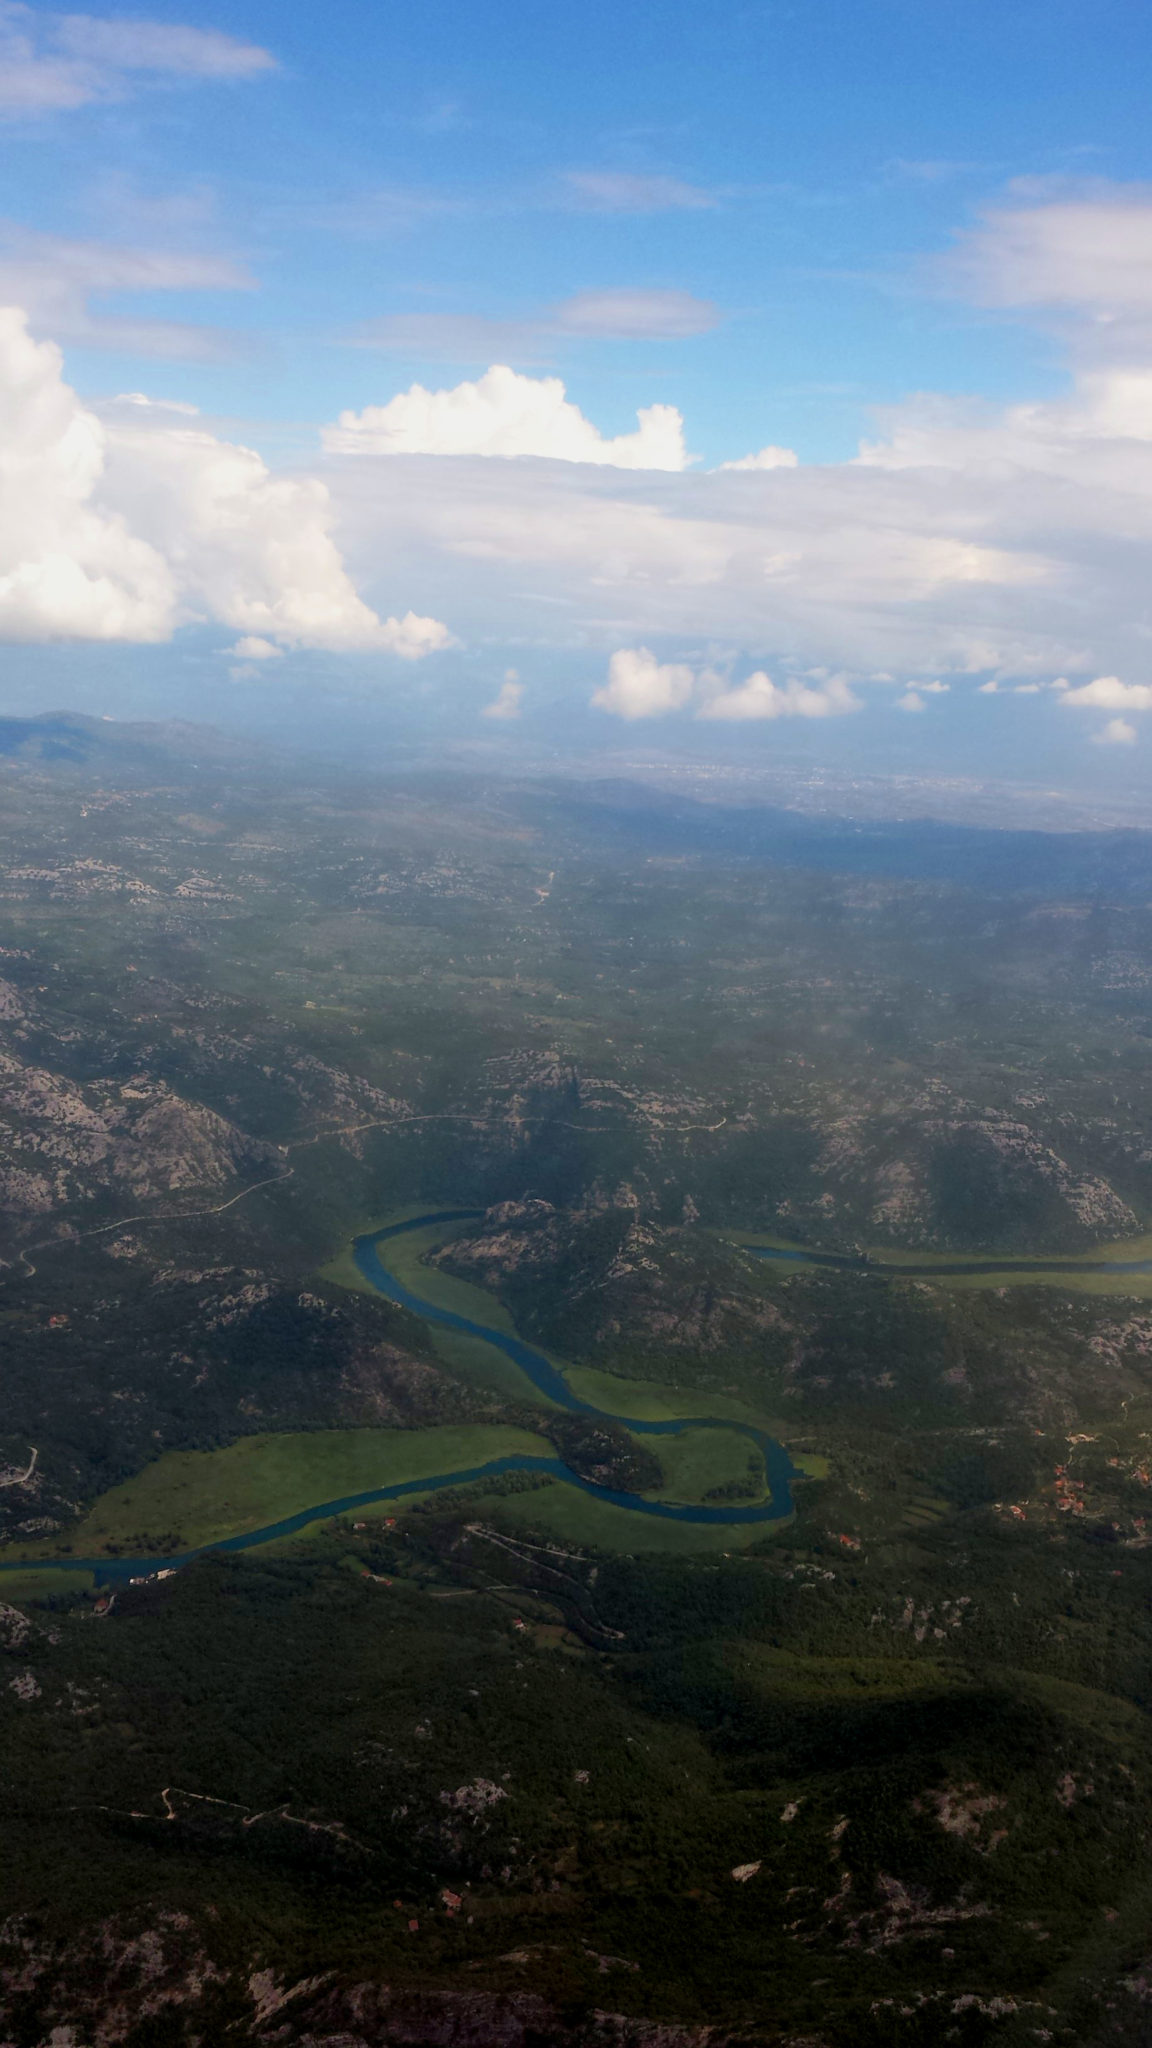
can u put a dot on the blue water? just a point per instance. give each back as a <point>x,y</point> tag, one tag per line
<point>548,1380</point>
<point>542,1374</point>
<point>845,1263</point>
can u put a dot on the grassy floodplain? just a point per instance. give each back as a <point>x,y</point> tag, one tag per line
<point>654,1401</point>
<point>567,1515</point>
<point>480,1363</point>
<point>703,1459</point>
<point>1087,1274</point>
<point>189,1499</point>
<point>204,1497</point>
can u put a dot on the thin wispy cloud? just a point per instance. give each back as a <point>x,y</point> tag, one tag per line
<point>68,288</point>
<point>928,170</point>
<point>616,315</point>
<point>1080,254</point>
<point>623,315</point>
<point>51,63</point>
<point>635,192</point>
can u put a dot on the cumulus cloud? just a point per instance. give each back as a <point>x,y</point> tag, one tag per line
<point>1119,732</point>
<point>914,695</point>
<point>70,566</point>
<point>760,697</point>
<point>509,699</point>
<point>226,541</point>
<point>639,686</point>
<point>1108,693</point>
<point>1009,544</point>
<point>53,62</point>
<point>252,648</point>
<point>766,458</point>
<point>506,414</point>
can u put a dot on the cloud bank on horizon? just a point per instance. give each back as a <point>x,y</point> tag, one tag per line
<point>969,539</point>
<point>1002,542</point>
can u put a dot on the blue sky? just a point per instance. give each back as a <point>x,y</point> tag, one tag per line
<point>783,222</point>
<point>418,160</point>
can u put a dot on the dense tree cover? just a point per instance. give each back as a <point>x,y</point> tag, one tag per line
<point>283,1749</point>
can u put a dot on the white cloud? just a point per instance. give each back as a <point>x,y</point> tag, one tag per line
<point>177,405</point>
<point>159,46</point>
<point>854,568</point>
<point>1008,544</point>
<point>226,541</point>
<point>508,701</point>
<point>70,566</point>
<point>767,458</point>
<point>1079,249</point>
<point>634,192</point>
<point>1118,732</point>
<point>252,648</point>
<point>506,414</point>
<point>914,695</point>
<point>50,62</point>
<point>760,697</point>
<point>1108,693</point>
<point>639,686</point>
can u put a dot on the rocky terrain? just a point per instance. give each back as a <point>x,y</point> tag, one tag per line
<point>682,1305</point>
<point>114,1358</point>
<point>63,1145</point>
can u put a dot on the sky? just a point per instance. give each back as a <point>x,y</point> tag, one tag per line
<point>768,380</point>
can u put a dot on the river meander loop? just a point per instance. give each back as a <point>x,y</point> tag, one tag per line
<point>543,1375</point>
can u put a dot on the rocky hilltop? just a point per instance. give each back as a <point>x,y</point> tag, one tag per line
<point>63,1144</point>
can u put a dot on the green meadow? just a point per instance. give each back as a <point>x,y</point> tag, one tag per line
<point>201,1497</point>
<point>701,1460</point>
<point>483,1365</point>
<point>568,1515</point>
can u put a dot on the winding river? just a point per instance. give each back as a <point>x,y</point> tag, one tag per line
<point>892,1269</point>
<point>548,1380</point>
<point>542,1374</point>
